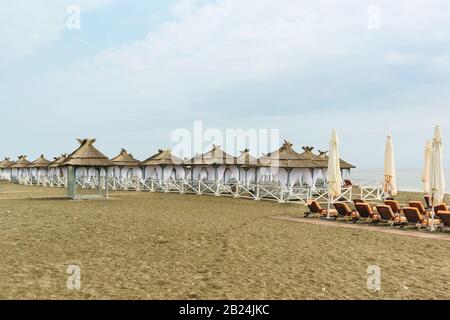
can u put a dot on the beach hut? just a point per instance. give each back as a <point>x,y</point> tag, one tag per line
<point>56,172</point>
<point>215,165</point>
<point>20,170</point>
<point>288,167</point>
<point>96,163</point>
<point>5,169</point>
<point>125,166</point>
<point>163,166</point>
<point>247,165</point>
<point>39,170</point>
<point>345,166</point>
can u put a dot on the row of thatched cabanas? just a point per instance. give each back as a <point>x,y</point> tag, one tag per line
<point>284,166</point>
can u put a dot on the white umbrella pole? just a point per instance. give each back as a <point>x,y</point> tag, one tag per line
<point>431,224</point>
<point>329,206</point>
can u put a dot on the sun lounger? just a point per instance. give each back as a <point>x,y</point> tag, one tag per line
<point>315,208</point>
<point>445,219</point>
<point>441,207</point>
<point>364,211</point>
<point>343,209</point>
<point>387,215</point>
<point>394,206</point>
<point>420,207</point>
<point>415,217</point>
<point>356,201</point>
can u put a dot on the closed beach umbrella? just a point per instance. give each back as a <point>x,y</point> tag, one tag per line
<point>390,175</point>
<point>334,170</point>
<point>437,179</point>
<point>427,167</point>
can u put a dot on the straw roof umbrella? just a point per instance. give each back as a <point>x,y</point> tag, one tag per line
<point>21,163</point>
<point>287,157</point>
<point>437,179</point>
<point>215,156</point>
<point>246,159</point>
<point>40,162</point>
<point>334,171</point>
<point>58,161</point>
<point>390,174</point>
<point>125,159</point>
<point>163,157</point>
<point>87,156</point>
<point>4,164</point>
<point>124,163</point>
<point>427,168</point>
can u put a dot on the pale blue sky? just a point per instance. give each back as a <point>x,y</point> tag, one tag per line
<point>138,70</point>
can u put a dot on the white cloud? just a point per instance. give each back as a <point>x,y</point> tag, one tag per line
<point>27,25</point>
<point>285,64</point>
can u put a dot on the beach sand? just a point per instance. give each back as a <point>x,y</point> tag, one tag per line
<point>171,246</point>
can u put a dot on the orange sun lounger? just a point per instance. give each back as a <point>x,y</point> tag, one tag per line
<point>387,215</point>
<point>315,208</point>
<point>343,209</point>
<point>414,216</point>
<point>364,211</point>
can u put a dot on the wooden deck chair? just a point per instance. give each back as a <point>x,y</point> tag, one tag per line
<point>387,215</point>
<point>445,219</point>
<point>315,208</point>
<point>419,206</point>
<point>343,209</point>
<point>441,207</point>
<point>364,211</point>
<point>415,217</point>
<point>395,206</point>
<point>356,201</point>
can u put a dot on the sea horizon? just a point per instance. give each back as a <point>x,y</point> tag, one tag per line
<point>408,179</point>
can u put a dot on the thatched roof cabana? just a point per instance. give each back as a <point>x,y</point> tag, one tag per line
<point>40,162</point>
<point>287,157</point>
<point>125,159</point>
<point>4,164</point>
<point>87,156</point>
<point>344,165</point>
<point>22,162</point>
<point>215,156</point>
<point>246,159</point>
<point>163,157</point>
<point>58,161</point>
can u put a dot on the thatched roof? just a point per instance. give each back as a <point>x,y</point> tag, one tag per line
<point>246,159</point>
<point>57,161</point>
<point>287,157</point>
<point>215,156</point>
<point>21,163</point>
<point>40,162</point>
<point>344,164</point>
<point>163,157</point>
<point>87,156</point>
<point>5,163</point>
<point>125,159</point>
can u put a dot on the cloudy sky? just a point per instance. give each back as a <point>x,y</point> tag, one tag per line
<point>135,71</point>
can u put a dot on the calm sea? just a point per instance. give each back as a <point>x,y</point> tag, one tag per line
<point>407,179</point>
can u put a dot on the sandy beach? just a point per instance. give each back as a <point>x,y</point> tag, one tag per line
<point>171,246</point>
